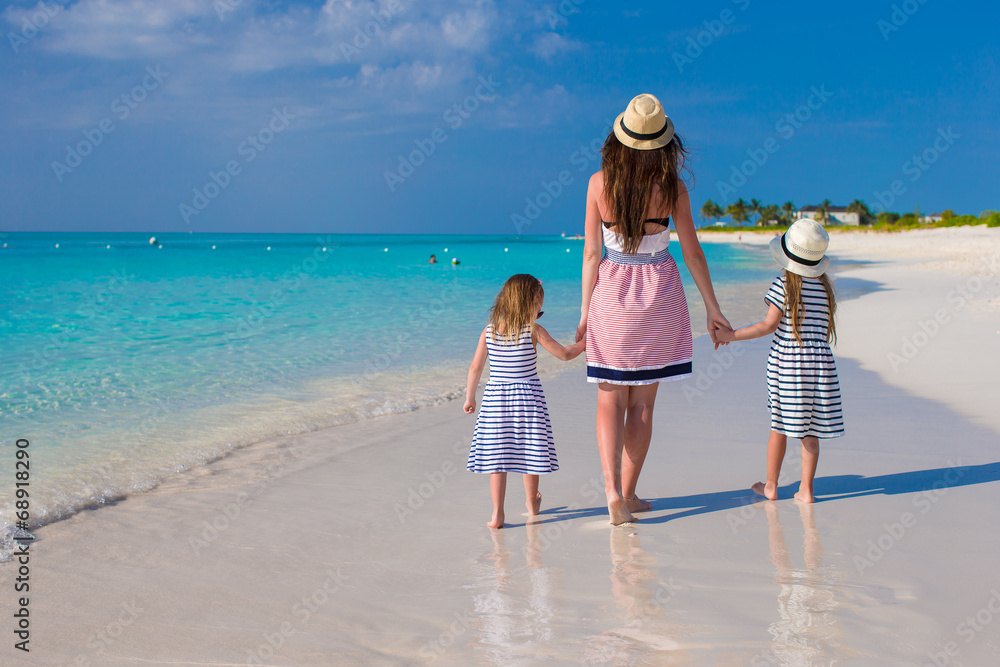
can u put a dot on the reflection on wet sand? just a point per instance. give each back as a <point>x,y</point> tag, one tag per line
<point>647,632</point>
<point>808,631</point>
<point>514,607</point>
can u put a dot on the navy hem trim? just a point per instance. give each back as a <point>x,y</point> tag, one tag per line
<point>648,374</point>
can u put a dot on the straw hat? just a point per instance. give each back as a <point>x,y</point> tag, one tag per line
<point>643,125</point>
<point>802,248</point>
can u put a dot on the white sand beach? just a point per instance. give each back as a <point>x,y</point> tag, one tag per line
<point>365,544</point>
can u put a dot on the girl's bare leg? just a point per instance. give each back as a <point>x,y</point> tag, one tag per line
<point>810,457</point>
<point>638,431</point>
<point>498,489</point>
<point>775,455</point>
<point>612,401</point>
<point>533,499</point>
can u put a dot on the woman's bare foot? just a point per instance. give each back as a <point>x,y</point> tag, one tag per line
<point>496,521</point>
<point>619,512</point>
<point>804,497</point>
<point>637,504</point>
<point>766,490</point>
<point>534,505</point>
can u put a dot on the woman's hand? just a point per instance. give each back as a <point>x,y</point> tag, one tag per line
<point>581,329</point>
<point>717,321</point>
<point>470,406</point>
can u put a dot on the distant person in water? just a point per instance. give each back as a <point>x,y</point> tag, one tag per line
<point>433,260</point>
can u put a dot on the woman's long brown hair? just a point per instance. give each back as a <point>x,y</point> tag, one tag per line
<point>793,304</point>
<point>516,306</point>
<point>630,175</point>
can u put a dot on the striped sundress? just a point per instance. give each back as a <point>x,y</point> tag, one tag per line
<point>638,324</point>
<point>803,389</point>
<point>513,432</point>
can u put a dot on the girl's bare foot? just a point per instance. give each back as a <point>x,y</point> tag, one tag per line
<point>534,504</point>
<point>496,521</point>
<point>637,504</point>
<point>619,512</point>
<point>767,490</point>
<point>804,497</point>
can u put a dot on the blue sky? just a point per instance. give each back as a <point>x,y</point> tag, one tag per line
<point>289,116</point>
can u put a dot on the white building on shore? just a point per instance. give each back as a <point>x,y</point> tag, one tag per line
<point>837,214</point>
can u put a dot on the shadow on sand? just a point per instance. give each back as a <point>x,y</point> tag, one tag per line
<point>826,489</point>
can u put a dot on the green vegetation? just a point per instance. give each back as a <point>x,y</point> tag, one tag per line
<point>758,213</point>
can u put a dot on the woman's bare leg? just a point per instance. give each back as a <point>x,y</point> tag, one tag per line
<point>612,400</point>
<point>638,431</point>
<point>775,455</point>
<point>498,489</point>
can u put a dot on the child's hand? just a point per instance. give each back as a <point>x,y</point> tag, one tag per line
<point>470,406</point>
<point>725,335</point>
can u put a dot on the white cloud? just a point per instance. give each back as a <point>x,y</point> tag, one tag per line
<point>550,44</point>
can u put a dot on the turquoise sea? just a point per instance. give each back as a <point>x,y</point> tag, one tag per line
<point>126,362</point>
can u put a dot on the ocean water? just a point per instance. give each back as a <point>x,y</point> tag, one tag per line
<point>126,362</point>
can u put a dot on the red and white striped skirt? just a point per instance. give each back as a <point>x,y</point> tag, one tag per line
<point>638,325</point>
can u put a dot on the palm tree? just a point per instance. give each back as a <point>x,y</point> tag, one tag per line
<point>824,211</point>
<point>756,207</point>
<point>788,208</point>
<point>738,210</point>
<point>768,213</point>
<point>711,211</point>
<point>861,208</point>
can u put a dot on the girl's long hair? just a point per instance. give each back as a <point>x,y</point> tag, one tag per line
<point>630,176</point>
<point>793,304</point>
<point>515,307</point>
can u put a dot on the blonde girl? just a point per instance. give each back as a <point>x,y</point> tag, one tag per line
<point>802,384</point>
<point>513,433</point>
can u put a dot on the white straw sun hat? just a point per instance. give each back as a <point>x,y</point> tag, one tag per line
<point>643,125</point>
<point>801,250</point>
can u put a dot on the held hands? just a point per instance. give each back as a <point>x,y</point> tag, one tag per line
<point>725,336</point>
<point>717,323</point>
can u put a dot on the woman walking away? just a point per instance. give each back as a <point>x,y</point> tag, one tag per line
<point>634,315</point>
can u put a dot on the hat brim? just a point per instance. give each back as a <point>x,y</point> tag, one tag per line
<point>789,264</point>
<point>643,144</point>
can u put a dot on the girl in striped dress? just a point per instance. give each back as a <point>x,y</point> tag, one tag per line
<point>513,433</point>
<point>803,390</point>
